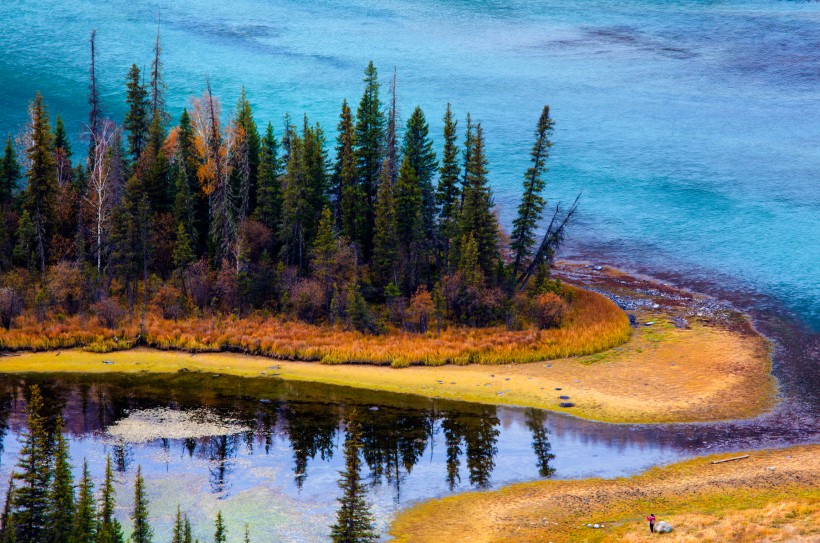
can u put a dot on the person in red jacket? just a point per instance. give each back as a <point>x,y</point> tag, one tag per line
<point>651,520</point>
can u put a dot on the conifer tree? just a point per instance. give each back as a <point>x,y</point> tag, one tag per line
<point>220,533</point>
<point>61,137</point>
<point>468,264</point>
<point>531,208</point>
<point>409,222</point>
<point>7,531</point>
<point>109,529</point>
<point>269,191</point>
<point>142,532</point>
<point>183,250</point>
<point>158,85</point>
<point>95,111</point>
<point>350,197</point>
<point>32,476</point>
<point>85,520</point>
<point>61,495</point>
<point>385,239</point>
<point>246,169</point>
<point>10,173</point>
<point>39,196</point>
<point>418,151</point>
<point>476,217</point>
<point>136,118</point>
<point>448,195</point>
<point>187,159</point>
<point>370,124</point>
<point>178,533</point>
<point>62,153</point>
<point>185,207</point>
<point>354,522</point>
<point>187,537</point>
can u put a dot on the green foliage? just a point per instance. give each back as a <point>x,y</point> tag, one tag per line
<point>142,531</point>
<point>136,119</point>
<point>385,239</point>
<point>351,198</point>
<point>269,191</point>
<point>61,495</point>
<point>418,153</point>
<point>370,132</point>
<point>354,522</point>
<point>84,529</point>
<point>10,173</point>
<point>109,529</point>
<point>531,208</point>
<point>220,534</point>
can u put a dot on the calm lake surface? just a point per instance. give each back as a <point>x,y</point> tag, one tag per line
<point>268,452</point>
<point>691,127</point>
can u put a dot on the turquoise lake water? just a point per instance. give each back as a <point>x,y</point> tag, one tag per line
<point>691,128</point>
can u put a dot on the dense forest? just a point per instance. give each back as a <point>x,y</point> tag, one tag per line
<point>231,216</point>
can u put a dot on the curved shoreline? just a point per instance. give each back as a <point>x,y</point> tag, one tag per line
<point>656,377</point>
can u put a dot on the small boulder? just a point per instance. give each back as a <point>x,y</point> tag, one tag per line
<point>566,404</point>
<point>663,527</point>
<point>563,397</point>
<point>373,408</point>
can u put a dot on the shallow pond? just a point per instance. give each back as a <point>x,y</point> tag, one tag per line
<point>268,452</point>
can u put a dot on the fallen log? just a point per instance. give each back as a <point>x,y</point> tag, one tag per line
<point>730,459</point>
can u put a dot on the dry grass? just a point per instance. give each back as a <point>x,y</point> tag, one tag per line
<point>594,324</point>
<point>657,376</point>
<point>744,501</point>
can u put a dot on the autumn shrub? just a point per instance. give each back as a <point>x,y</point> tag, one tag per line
<point>420,311</point>
<point>169,302</point>
<point>308,300</point>
<point>109,312</point>
<point>65,288</point>
<point>200,283</point>
<point>226,289</point>
<point>549,310</point>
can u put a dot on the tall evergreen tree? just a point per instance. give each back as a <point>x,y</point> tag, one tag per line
<point>32,476</point>
<point>410,224</point>
<point>269,191</point>
<point>85,520</point>
<point>370,124</point>
<point>61,495</point>
<point>220,533</point>
<point>39,196</point>
<point>385,238</point>
<point>418,151</point>
<point>109,529</point>
<point>61,140</point>
<point>354,522</point>
<point>187,537</point>
<point>158,86</point>
<point>476,217</point>
<point>142,531</point>
<point>94,111</point>
<point>531,208</point>
<point>350,198</point>
<point>7,530</point>
<point>448,195</point>
<point>136,118</point>
<point>10,173</point>
<point>187,158</point>
<point>246,176</point>
<point>178,533</point>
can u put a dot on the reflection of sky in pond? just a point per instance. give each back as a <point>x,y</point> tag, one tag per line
<point>414,448</point>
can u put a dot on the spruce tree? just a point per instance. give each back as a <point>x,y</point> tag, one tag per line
<point>109,529</point>
<point>531,208</point>
<point>7,532</point>
<point>187,537</point>
<point>85,520</point>
<point>269,188</point>
<point>220,533</point>
<point>350,197</point>
<point>61,494</point>
<point>246,176</point>
<point>136,118</point>
<point>61,140</point>
<point>354,522</point>
<point>448,195</point>
<point>418,152</point>
<point>385,238</point>
<point>32,476</point>
<point>247,534</point>
<point>178,533</point>
<point>370,125</point>
<point>476,217</point>
<point>185,206</point>
<point>158,86</point>
<point>39,196</point>
<point>409,222</point>
<point>142,532</point>
<point>188,159</point>
<point>10,173</point>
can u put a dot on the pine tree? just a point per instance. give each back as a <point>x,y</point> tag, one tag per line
<point>247,534</point>
<point>94,111</point>
<point>187,538</point>
<point>142,532</point>
<point>418,151</point>
<point>61,494</point>
<point>39,196</point>
<point>247,176</point>
<point>370,124</point>
<point>109,529</point>
<point>385,238</point>
<point>178,533</point>
<point>185,207</point>
<point>468,264</point>
<point>10,173</point>
<point>269,191</point>
<point>350,197</point>
<point>61,140</point>
<point>410,223</point>
<point>136,119</point>
<point>531,208</point>
<point>85,520</point>
<point>354,522</point>
<point>187,158</point>
<point>158,86</point>
<point>7,531</point>
<point>476,217</point>
<point>220,534</point>
<point>32,476</point>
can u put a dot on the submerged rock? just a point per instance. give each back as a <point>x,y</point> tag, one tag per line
<point>566,404</point>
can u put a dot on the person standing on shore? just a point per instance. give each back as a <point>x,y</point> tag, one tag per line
<point>651,520</point>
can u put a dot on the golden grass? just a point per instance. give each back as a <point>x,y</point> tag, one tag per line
<point>594,324</point>
<point>743,501</point>
<point>657,376</point>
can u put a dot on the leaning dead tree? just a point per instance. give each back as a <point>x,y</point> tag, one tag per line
<point>552,240</point>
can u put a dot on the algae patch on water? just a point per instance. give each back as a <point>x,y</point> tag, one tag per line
<point>144,425</point>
